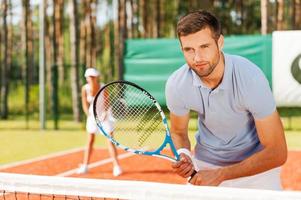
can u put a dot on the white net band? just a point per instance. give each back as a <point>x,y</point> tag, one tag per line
<point>123,189</point>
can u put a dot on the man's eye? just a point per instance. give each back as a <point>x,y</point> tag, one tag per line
<point>189,50</point>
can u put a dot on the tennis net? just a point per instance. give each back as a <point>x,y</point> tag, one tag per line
<point>20,186</point>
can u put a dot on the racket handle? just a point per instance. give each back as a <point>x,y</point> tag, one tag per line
<point>192,175</point>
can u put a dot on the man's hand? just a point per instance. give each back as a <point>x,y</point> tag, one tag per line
<point>209,177</point>
<point>184,166</point>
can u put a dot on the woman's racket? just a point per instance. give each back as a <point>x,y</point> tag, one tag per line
<point>133,120</point>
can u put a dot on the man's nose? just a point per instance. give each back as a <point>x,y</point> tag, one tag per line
<point>198,56</point>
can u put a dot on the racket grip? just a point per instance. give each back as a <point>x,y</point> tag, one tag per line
<point>192,175</point>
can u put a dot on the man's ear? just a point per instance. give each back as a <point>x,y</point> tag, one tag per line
<point>220,42</point>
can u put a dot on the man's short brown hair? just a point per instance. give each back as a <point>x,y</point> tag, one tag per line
<point>196,21</point>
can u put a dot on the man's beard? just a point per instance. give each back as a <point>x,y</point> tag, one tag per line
<point>211,68</point>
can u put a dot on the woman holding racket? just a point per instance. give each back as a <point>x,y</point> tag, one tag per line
<point>89,91</point>
<point>240,139</point>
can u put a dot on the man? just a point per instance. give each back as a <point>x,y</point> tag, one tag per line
<point>240,140</point>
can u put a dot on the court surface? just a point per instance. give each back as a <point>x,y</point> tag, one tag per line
<point>135,167</point>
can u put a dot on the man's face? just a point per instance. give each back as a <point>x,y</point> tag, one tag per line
<point>202,51</point>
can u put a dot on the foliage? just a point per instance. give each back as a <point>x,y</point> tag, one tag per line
<point>16,100</point>
<point>237,17</point>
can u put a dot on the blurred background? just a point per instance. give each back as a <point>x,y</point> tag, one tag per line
<point>47,44</point>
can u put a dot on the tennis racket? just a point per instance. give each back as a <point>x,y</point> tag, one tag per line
<point>132,119</point>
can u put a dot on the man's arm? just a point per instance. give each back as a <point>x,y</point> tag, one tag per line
<point>179,134</point>
<point>274,154</point>
<point>179,130</point>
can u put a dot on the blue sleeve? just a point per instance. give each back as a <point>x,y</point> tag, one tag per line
<point>260,101</point>
<point>174,99</point>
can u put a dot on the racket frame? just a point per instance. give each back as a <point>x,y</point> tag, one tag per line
<point>167,140</point>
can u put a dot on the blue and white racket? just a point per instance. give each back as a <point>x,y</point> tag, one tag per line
<point>133,120</point>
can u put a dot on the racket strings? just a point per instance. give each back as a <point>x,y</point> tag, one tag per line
<point>144,119</point>
<point>136,118</point>
<point>148,131</point>
<point>118,96</point>
<point>133,114</point>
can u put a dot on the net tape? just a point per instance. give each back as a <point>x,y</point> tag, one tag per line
<point>123,189</point>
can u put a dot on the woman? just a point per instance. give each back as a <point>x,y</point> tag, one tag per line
<point>89,91</point>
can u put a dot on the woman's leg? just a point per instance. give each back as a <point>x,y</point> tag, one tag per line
<point>113,153</point>
<point>87,155</point>
<point>89,149</point>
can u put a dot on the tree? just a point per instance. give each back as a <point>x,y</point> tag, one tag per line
<point>280,14</point>
<point>264,16</point>
<point>142,19</point>
<point>27,49</point>
<point>88,33</point>
<point>119,37</point>
<point>296,14</point>
<point>48,52</point>
<point>42,63</point>
<point>92,40</point>
<point>74,39</point>
<point>0,58</point>
<point>131,17</point>
<point>58,34</point>
<point>6,63</point>
<point>54,67</point>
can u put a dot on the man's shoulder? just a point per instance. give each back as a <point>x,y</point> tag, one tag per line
<point>243,65</point>
<point>246,73</point>
<point>179,80</point>
<point>180,76</point>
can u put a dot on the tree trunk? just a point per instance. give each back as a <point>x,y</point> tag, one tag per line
<point>153,31</point>
<point>162,19</point>
<point>4,73</point>
<point>112,75</point>
<point>48,54</point>
<point>123,20</point>
<point>0,62</point>
<point>54,66</point>
<point>30,48</point>
<point>264,16</point>
<point>142,19</point>
<point>26,63</point>
<point>280,14</point>
<point>135,23</point>
<point>158,18</point>
<point>83,43</point>
<point>119,35</point>
<point>147,19</point>
<point>90,33</point>
<point>297,15</point>
<point>116,40</point>
<point>1,66</point>
<point>74,40</point>
<point>242,16</point>
<point>130,18</point>
<point>93,39</point>
<point>58,23</point>
<point>122,36</point>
